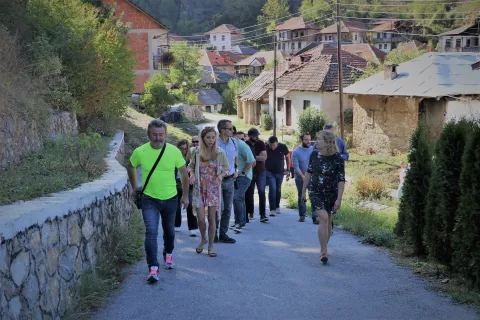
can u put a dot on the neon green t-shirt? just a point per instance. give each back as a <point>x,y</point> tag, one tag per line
<point>162,184</point>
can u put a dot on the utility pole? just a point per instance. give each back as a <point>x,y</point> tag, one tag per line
<point>339,58</point>
<point>274,83</point>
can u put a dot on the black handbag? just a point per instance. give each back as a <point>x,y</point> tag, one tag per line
<point>140,190</point>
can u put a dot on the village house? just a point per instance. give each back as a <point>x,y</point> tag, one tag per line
<point>224,37</point>
<point>462,39</point>
<point>351,31</point>
<point>215,78</point>
<point>243,51</point>
<point>387,35</point>
<point>147,39</point>
<point>209,100</point>
<point>312,84</point>
<point>223,60</point>
<point>256,63</point>
<point>349,59</point>
<point>434,88</point>
<point>295,34</point>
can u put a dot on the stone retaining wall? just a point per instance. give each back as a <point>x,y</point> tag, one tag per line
<point>48,243</point>
<point>19,136</point>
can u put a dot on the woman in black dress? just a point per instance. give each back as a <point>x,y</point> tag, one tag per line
<point>325,179</point>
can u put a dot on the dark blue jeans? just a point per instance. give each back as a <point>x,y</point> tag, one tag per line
<point>226,206</point>
<point>259,179</point>
<point>274,182</point>
<point>302,207</point>
<point>239,200</point>
<point>152,209</point>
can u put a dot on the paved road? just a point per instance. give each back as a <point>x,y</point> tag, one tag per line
<point>213,119</point>
<point>274,272</point>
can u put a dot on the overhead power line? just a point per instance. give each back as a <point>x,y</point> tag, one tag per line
<point>415,4</point>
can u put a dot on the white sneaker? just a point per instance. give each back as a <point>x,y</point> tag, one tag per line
<point>177,229</point>
<point>278,211</point>
<point>272,213</point>
<point>153,275</point>
<point>193,233</point>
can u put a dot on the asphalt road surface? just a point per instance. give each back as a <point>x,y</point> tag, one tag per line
<point>274,272</point>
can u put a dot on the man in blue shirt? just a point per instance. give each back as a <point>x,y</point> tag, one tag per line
<point>245,162</point>
<point>229,145</point>
<point>342,148</point>
<point>301,158</point>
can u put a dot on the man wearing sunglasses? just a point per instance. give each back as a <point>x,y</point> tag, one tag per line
<point>195,141</point>
<point>228,144</point>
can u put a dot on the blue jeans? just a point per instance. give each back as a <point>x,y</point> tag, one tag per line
<point>302,207</point>
<point>259,179</point>
<point>239,200</point>
<point>226,207</point>
<point>274,181</point>
<point>152,209</point>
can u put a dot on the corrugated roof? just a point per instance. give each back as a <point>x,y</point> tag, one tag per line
<point>346,26</point>
<point>212,75</point>
<point>433,74</point>
<point>225,28</point>
<point>295,23</point>
<point>320,74</point>
<point>243,50</point>
<point>208,97</point>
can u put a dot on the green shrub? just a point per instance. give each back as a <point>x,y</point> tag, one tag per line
<point>466,235</point>
<point>411,214</point>
<point>267,122</point>
<point>444,194</point>
<point>157,97</point>
<point>370,188</point>
<point>311,120</point>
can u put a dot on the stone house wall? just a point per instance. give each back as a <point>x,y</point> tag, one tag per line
<point>19,136</point>
<point>48,243</point>
<point>383,124</point>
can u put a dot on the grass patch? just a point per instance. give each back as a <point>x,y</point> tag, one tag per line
<point>61,165</point>
<point>124,249</point>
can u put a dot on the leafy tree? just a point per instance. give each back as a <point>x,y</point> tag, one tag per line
<point>157,98</point>
<point>185,73</point>
<point>235,87</point>
<point>411,220</point>
<point>272,11</point>
<point>316,10</point>
<point>444,194</point>
<point>311,120</point>
<point>466,235</point>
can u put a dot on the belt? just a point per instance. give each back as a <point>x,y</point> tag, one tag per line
<point>228,177</point>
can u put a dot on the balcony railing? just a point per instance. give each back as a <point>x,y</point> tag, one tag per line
<point>464,49</point>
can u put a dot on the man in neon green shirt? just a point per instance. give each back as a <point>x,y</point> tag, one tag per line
<point>160,194</point>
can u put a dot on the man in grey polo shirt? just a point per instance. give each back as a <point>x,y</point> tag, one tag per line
<point>229,145</point>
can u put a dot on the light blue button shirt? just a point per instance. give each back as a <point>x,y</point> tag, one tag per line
<point>231,150</point>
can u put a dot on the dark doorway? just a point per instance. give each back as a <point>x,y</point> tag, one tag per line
<point>288,112</point>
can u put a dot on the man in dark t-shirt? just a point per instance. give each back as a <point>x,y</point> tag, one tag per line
<point>276,166</point>
<point>259,176</point>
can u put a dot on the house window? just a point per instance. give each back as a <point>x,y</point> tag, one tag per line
<point>214,38</point>
<point>279,104</point>
<point>329,38</point>
<point>292,46</point>
<point>468,42</point>
<point>379,35</point>
<point>458,43</point>
<point>370,120</point>
<point>223,37</point>
<point>448,43</point>
<point>215,108</point>
<point>279,46</point>
<point>301,34</point>
<point>299,45</point>
<point>223,47</point>
<point>384,35</point>
<point>356,37</point>
<point>296,34</point>
<point>380,46</point>
<point>306,104</point>
<point>283,46</point>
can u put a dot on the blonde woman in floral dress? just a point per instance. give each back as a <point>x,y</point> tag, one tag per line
<point>207,167</point>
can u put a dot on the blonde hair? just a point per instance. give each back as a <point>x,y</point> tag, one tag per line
<point>330,148</point>
<point>205,153</point>
<point>185,142</point>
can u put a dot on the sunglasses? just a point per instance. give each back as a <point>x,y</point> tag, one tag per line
<point>195,141</point>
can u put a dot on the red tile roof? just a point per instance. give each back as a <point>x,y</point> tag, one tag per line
<point>365,51</point>
<point>225,28</point>
<point>387,26</point>
<point>295,24</point>
<point>222,58</point>
<point>320,74</point>
<point>346,26</point>
<point>347,57</point>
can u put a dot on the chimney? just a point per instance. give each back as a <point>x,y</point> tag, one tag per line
<point>390,70</point>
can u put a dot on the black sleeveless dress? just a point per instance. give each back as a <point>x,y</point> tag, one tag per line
<point>326,173</point>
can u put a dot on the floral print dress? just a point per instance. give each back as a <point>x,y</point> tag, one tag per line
<point>209,191</point>
<point>326,172</point>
